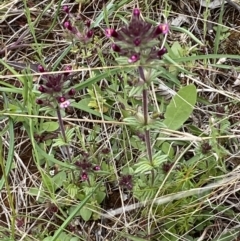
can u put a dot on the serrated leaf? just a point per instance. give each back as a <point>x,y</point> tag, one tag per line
<point>180,107</point>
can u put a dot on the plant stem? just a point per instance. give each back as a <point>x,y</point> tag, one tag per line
<point>63,133</point>
<point>147,133</point>
<point>145,114</point>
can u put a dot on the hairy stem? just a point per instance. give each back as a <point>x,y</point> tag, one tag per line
<point>63,133</point>
<point>145,114</point>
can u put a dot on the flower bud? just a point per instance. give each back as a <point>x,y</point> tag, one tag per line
<point>161,52</point>
<point>134,58</point>
<point>137,41</point>
<point>116,48</point>
<point>71,92</point>
<point>41,69</point>
<point>110,32</point>
<point>105,150</point>
<point>39,102</point>
<point>66,9</point>
<point>89,33</point>
<point>88,23</point>
<point>68,69</point>
<point>162,29</point>
<point>41,89</point>
<point>136,12</point>
<point>68,26</point>
<point>96,168</point>
<point>84,176</point>
<point>61,99</point>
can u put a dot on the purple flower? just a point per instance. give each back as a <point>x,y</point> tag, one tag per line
<point>82,32</point>
<point>84,165</point>
<point>54,89</point>
<point>138,33</point>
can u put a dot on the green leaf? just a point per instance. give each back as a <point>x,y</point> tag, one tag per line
<point>143,167</point>
<point>85,214</point>
<point>158,159</point>
<point>49,126</point>
<point>35,192</point>
<point>83,105</point>
<point>177,50</point>
<point>100,196</point>
<point>136,90</point>
<point>131,120</point>
<point>48,183</point>
<point>180,107</point>
<point>167,149</point>
<point>58,179</point>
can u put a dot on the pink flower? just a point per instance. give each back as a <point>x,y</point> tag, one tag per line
<point>65,104</point>
<point>162,29</point>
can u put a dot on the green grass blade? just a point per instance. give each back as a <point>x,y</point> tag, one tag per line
<point>52,159</point>
<point>209,56</point>
<point>97,78</point>
<point>10,152</point>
